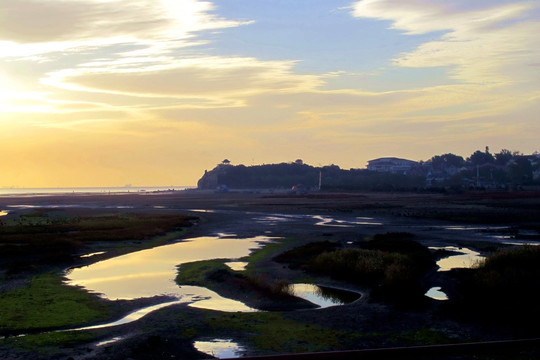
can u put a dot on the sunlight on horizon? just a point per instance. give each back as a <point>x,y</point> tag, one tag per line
<point>93,93</point>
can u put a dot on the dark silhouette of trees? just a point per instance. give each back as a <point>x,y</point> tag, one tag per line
<point>480,158</point>
<point>444,172</point>
<point>520,170</point>
<point>447,160</point>
<point>503,157</point>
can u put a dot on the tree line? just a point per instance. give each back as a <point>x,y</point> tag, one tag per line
<point>505,169</point>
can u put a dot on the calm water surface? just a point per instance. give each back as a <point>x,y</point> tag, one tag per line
<point>220,348</point>
<point>151,272</point>
<point>436,293</point>
<point>466,259</point>
<point>323,296</point>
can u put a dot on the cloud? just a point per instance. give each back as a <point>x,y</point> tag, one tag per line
<point>36,27</point>
<point>495,44</point>
<point>189,82</point>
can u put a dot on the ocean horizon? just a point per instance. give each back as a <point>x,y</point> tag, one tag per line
<point>92,190</point>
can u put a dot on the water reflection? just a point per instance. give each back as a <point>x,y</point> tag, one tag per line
<point>131,317</point>
<point>110,341</point>
<point>436,293</point>
<point>323,296</point>
<point>320,220</point>
<point>151,272</point>
<point>220,348</point>
<point>92,254</point>
<point>237,265</point>
<point>467,259</point>
<point>329,221</point>
<point>3,212</point>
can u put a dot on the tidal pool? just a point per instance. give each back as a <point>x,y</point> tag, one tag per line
<point>220,348</point>
<point>436,293</point>
<point>323,296</point>
<point>152,272</point>
<point>467,258</point>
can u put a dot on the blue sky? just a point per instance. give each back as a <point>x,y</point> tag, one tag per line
<point>153,92</point>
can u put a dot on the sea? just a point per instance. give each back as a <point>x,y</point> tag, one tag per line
<point>91,190</point>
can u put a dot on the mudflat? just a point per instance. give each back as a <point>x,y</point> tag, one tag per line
<point>480,221</point>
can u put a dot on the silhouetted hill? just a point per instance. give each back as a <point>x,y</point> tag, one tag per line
<point>304,177</point>
<point>482,170</point>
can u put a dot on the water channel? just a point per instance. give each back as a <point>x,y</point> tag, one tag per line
<point>151,272</point>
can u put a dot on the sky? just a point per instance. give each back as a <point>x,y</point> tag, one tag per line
<point>155,92</point>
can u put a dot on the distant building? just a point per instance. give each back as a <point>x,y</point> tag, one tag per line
<point>391,165</point>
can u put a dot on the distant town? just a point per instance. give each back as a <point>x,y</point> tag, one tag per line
<point>505,170</point>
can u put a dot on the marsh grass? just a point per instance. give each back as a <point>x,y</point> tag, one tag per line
<point>272,332</point>
<point>391,264</point>
<point>50,342</point>
<point>214,273</point>
<point>502,289</point>
<point>265,252</point>
<point>47,303</point>
<point>38,238</point>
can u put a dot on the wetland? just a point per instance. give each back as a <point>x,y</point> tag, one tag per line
<point>147,276</point>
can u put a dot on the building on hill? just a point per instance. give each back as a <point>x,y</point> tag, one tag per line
<point>391,165</point>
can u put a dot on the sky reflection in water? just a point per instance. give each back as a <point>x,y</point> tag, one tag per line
<point>151,272</point>
<point>220,348</point>
<point>323,296</point>
<point>467,259</point>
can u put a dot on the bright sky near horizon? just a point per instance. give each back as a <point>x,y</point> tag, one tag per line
<point>153,92</point>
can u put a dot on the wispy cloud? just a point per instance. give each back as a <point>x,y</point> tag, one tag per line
<point>494,44</point>
<point>68,23</point>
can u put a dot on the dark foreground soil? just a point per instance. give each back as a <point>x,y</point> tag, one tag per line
<point>369,323</point>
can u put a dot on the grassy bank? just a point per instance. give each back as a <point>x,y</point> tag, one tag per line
<point>255,289</point>
<point>46,303</point>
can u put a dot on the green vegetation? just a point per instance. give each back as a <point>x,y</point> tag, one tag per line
<point>423,336</point>
<point>300,256</point>
<point>272,332</point>
<point>503,289</point>
<point>391,264</point>
<point>48,343</point>
<point>265,252</point>
<point>53,237</point>
<point>197,272</point>
<point>47,303</point>
<point>215,275</point>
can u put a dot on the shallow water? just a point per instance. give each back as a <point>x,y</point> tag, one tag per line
<point>131,317</point>
<point>237,265</point>
<point>467,259</point>
<point>330,221</point>
<point>323,296</point>
<point>92,254</point>
<point>319,220</point>
<point>152,272</point>
<point>220,348</point>
<point>436,293</point>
